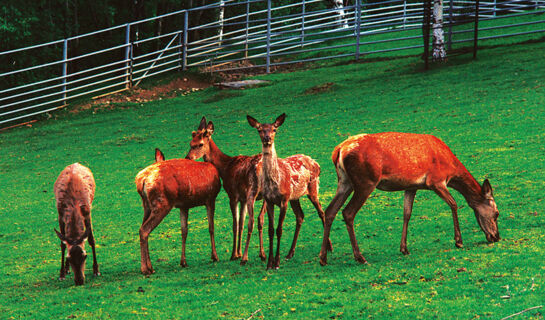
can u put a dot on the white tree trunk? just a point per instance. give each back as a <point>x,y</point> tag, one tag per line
<point>342,21</point>
<point>439,52</point>
<point>220,19</point>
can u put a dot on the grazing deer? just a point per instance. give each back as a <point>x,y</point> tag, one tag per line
<point>282,181</point>
<point>394,161</point>
<point>239,181</point>
<point>74,193</point>
<point>179,183</point>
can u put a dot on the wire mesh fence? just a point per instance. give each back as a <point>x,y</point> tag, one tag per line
<point>243,35</point>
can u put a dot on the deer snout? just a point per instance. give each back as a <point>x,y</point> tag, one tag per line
<point>266,140</point>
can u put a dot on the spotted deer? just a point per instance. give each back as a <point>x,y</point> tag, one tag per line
<point>393,161</point>
<point>179,183</point>
<point>239,181</point>
<point>74,193</point>
<point>282,181</point>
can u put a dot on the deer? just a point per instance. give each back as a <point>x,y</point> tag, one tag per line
<point>282,181</point>
<point>240,181</point>
<point>74,193</point>
<point>179,183</point>
<point>393,161</point>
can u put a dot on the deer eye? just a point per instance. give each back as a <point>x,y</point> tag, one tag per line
<point>274,130</point>
<point>200,145</point>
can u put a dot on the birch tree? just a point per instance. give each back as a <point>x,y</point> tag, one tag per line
<point>220,20</point>
<point>439,52</point>
<point>341,18</point>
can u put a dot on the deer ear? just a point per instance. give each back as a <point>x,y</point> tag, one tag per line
<point>253,122</point>
<point>278,122</point>
<point>202,125</point>
<point>193,134</point>
<point>486,188</point>
<point>159,156</point>
<point>210,128</point>
<point>63,239</point>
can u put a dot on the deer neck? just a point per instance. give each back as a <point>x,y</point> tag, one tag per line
<point>219,159</point>
<point>466,184</point>
<point>271,170</point>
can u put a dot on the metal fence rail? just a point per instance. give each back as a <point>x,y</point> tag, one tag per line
<point>252,34</point>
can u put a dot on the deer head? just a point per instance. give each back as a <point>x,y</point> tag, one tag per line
<point>487,213</point>
<point>267,131</point>
<point>200,142</point>
<point>76,255</point>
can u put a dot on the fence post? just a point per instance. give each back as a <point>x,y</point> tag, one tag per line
<point>180,45</point>
<point>494,8</point>
<point>476,32</point>
<point>128,65</point>
<point>303,13</point>
<point>268,36</point>
<point>449,43</point>
<point>64,69</point>
<point>358,28</point>
<point>184,47</point>
<point>247,26</point>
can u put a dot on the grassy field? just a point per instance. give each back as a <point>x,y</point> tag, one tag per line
<point>490,111</point>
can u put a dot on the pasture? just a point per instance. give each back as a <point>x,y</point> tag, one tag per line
<point>490,111</point>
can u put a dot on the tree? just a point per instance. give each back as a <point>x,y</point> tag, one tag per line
<point>439,52</point>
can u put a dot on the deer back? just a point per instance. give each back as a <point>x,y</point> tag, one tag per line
<point>74,193</point>
<point>184,183</point>
<point>399,159</point>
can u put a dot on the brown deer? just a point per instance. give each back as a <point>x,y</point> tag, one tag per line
<point>282,181</point>
<point>239,181</point>
<point>74,194</point>
<point>393,161</point>
<point>179,183</point>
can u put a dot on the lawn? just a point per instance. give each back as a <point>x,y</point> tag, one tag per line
<point>490,111</point>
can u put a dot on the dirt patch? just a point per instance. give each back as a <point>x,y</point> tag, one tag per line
<point>320,88</point>
<point>177,87</point>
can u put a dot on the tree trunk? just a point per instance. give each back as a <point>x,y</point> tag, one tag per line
<point>220,20</point>
<point>439,52</point>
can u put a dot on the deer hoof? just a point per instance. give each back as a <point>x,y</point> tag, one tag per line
<point>263,257</point>
<point>243,262</point>
<point>148,272</point>
<point>404,251</point>
<point>61,278</point>
<point>215,258</point>
<point>289,256</point>
<point>459,245</point>
<point>361,259</point>
<point>183,264</point>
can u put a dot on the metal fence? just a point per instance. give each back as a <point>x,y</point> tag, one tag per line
<point>252,34</point>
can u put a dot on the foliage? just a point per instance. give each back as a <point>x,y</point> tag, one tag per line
<point>489,111</point>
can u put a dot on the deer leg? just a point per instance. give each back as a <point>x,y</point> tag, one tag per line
<point>299,218</point>
<point>270,215</point>
<point>313,197</point>
<point>241,220</point>
<point>157,215</point>
<point>250,207</point>
<point>407,210</point>
<point>91,240</point>
<point>65,266</point>
<point>62,274</point>
<point>344,189</point>
<point>210,208</point>
<point>234,211</point>
<point>349,213</point>
<point>444,194</point>
<point>184,213</point>
<point>260,221</point>
<point>281,217</point>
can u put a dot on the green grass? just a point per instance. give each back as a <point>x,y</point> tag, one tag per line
<point>490,112</point>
